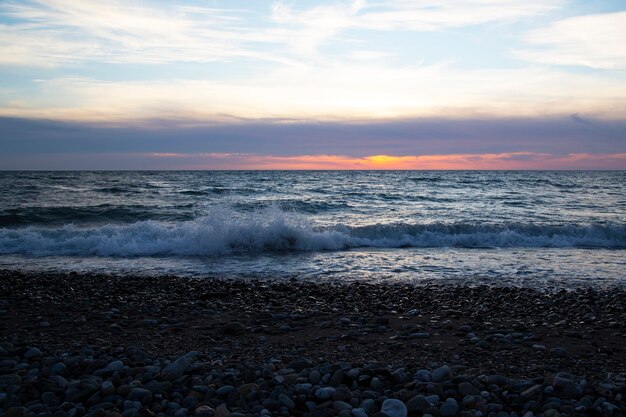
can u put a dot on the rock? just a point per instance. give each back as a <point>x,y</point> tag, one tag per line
<point>466,388</point>
<point>315,376</point>
<point>182,412</point>
<point>58,368</point>
<point>176,369</point>
<point>138,394</point>
<point>562,379</point>
<point>376,383</point>
<point>342,394</point>
<point>341,406</point>
<point>419,335</point>
<point>449,408</point>
<point>417,403</point>
<point>423,375</point>
<point>325,394</point>
<point>337,378</point>
<point>233,328</point>
<point>246,389</point>
<point>359,412</point>
<point>225,390</point>
<point>300,364</point>
<point>498,380</point>
<point>32,353</point>
<point>114,366</point>
<point>204,410</point>
<point>367,405</point>
<point>286,401</point>
<point>531,392</point>
<point>559,352</point>
<point>222,411</point>
<point>393,408</point>
<point>441,374</point>
<point>107,388</point>
<point>16,412</point>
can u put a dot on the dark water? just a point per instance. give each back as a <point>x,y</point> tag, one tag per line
<point>529,228</point>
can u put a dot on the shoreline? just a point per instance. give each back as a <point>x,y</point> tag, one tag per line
<point>519,334</point>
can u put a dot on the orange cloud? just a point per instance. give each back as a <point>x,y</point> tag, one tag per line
<point>489,161</point>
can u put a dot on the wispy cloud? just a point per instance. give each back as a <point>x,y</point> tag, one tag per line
<point>333,92</point>
<point>308,28</point>
<point>61,32</point>
<point>56,32</point>
<point>594,41</point>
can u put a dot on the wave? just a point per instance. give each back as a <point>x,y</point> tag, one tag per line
<point>103,212</point>
<point>224,231</point>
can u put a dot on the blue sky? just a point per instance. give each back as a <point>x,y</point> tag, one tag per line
<point>240,81</point>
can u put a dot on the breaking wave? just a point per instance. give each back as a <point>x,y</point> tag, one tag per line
<point>224,231</point>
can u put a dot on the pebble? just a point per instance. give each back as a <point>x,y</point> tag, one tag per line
<point>449,408</point>
<point>114,366</point>
<point>325,394</point>
<point>286,401</point>
<point>32,353</point>
<point>441,374</point>
<point>359,412</point>
<point>176,369</point>
<point>394,408</point>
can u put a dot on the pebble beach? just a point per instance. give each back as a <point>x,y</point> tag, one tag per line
<point>107,346</point>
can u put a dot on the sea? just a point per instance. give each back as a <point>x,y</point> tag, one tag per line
<point>552,229</point>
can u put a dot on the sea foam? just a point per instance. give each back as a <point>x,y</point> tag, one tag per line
<point>224,231</point>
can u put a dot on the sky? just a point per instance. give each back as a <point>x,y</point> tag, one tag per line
<point>359,84</point>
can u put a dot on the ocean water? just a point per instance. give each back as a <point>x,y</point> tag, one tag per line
<point>508,228</point>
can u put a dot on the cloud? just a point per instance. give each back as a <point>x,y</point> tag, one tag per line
<point>594,41</point>
<point>424,136</point>
<point>307,29</point>
<point>60,32</point>
<point>328,92</point>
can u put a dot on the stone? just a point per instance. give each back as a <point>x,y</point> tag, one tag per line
<point>222,411</point>
<point>376,383</point>
<point>32,353</point>
<point>246,389</point>
<point>449,409</point>
<point>176,369</point>
<point>418,403</point>
<point>531,392</point>
<point>315,376</point>
<point>393,408</point>
<point>466,388</point>
<point>225,390</point>
<point>16,412</point>
<point>234,328</point>
<point>325,394</point>
<point>441,374</point>
<point>58,368</point>
<point>423,375</point>
<point>342,394</point>
<point>286,401</point>
<point>114,366</point>
<point>359,412</point>
<point>138,394</point>
<point>341,405</point>
<point>559,352</point>
<point>337,378</point>
<point>107,388</point>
